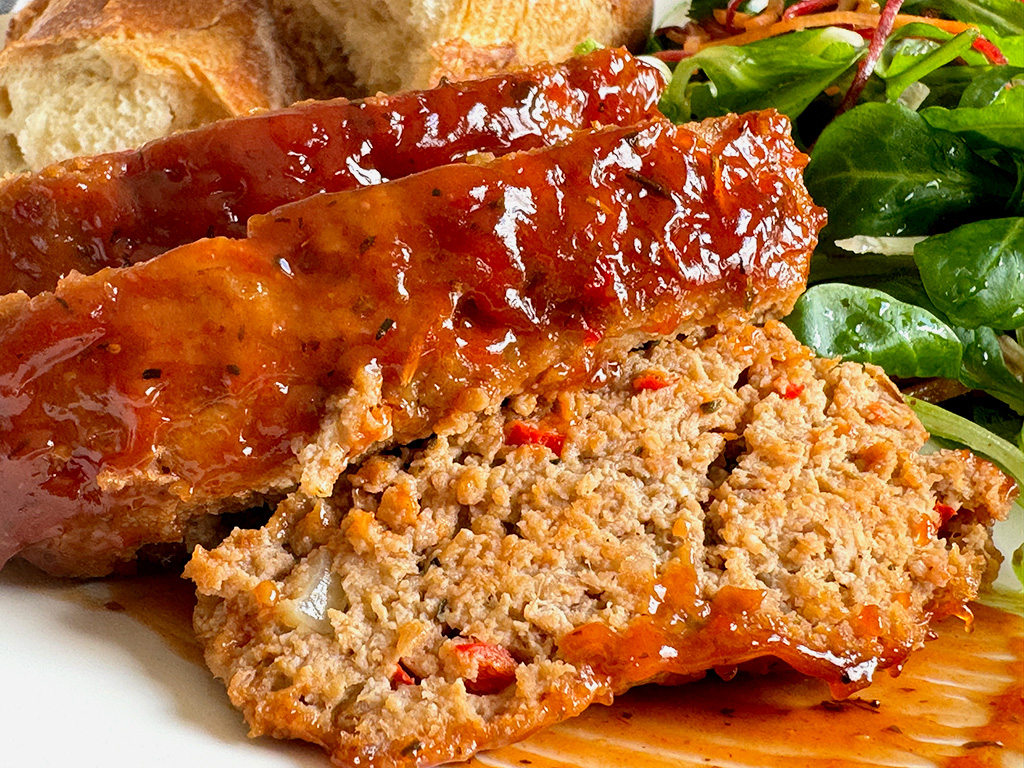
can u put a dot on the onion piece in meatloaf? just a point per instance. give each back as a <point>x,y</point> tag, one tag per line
<point>137,399</point>
<point>718,501</point>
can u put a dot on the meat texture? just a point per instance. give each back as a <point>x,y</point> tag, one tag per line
<point>126,207</point>
<point>226,370</point>
<point>717,502</point>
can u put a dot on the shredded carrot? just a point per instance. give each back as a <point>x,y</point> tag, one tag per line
<point>947,25</point>
<point>834,19</point>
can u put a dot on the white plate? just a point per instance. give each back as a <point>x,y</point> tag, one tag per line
<point>103,675</point>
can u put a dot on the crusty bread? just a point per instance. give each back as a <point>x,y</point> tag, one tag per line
<point>715,502</point>
<point>87,76</point>
<point>397,44</point>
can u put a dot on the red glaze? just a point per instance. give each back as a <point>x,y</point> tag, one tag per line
<point>126,207</point>
<point>687,635</point>
<point>138,397</point>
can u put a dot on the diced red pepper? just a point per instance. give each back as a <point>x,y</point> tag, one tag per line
<point>945,512</point>
<point>793,391</point>
<point>496,669</point>
<point>989,50</point>
<point>649,381</point>
<point>521,433</point>
<point>868,621</point>
<point>925,529</point>
<point>401,677</point>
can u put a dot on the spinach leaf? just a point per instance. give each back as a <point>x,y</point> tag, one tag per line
<point>947,86</point>
<point>914,58</point>
<point>881,169</point>
<point>984,367</point>
<point>995,418</point>
<point>990,84</point>
<point>1004,16</point>
<point>784,72</point>
<point>870,326</point>
<point>975,273</point>
<point>999,124</point>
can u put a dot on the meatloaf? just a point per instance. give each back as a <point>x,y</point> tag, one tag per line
<point>717,501</point>
<point>225,371</point>
<point>126,207</point>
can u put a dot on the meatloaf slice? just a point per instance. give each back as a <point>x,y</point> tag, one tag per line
<point>133,400</point>
<point>125,207</point>
<point>716,502</point>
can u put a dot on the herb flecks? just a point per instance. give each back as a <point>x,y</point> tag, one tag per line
<point>653,186</point>
<point>386,326</point>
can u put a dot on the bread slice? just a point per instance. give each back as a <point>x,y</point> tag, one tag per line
<point>398,44</point>
<point>85,76</point>
<point>715,502</point>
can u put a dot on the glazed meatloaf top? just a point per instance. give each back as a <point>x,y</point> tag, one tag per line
<point>133,400</point>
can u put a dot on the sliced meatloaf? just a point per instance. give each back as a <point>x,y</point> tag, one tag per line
<point>134,400</point>
<point>714,502</point>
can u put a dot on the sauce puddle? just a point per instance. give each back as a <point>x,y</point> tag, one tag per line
<point>959,703</point>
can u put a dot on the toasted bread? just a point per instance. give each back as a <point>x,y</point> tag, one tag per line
<point>397,44</point>
<point>85,76</point>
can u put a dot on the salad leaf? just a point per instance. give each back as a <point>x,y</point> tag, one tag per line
<point>997,124</point>
<point>987,86</point>
<point>785,73</point>
<point>917,58</point>
<point>1006,17</point>
<point>904,178</point>
<point>995,418</point>
<point>870,326</point>
<point>975,273</point>
<point>984,367</point>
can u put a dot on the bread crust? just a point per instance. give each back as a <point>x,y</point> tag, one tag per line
<point>230,46</point>
<point>226,56</point>
<point>396,44</point>
<point>482,36</point>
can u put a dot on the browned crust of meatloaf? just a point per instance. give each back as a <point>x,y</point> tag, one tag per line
<point>228,368</point>
<point>761,489</point>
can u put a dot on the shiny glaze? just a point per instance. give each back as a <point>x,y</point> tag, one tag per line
<point>687,634</point>
<point>126,207</point>
<point>957,704</point>
<point>142,394</point>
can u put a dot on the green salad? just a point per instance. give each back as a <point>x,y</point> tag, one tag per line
<point>913,117</point>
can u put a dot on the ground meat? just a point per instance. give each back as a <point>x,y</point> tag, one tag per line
<point>715,502</point>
